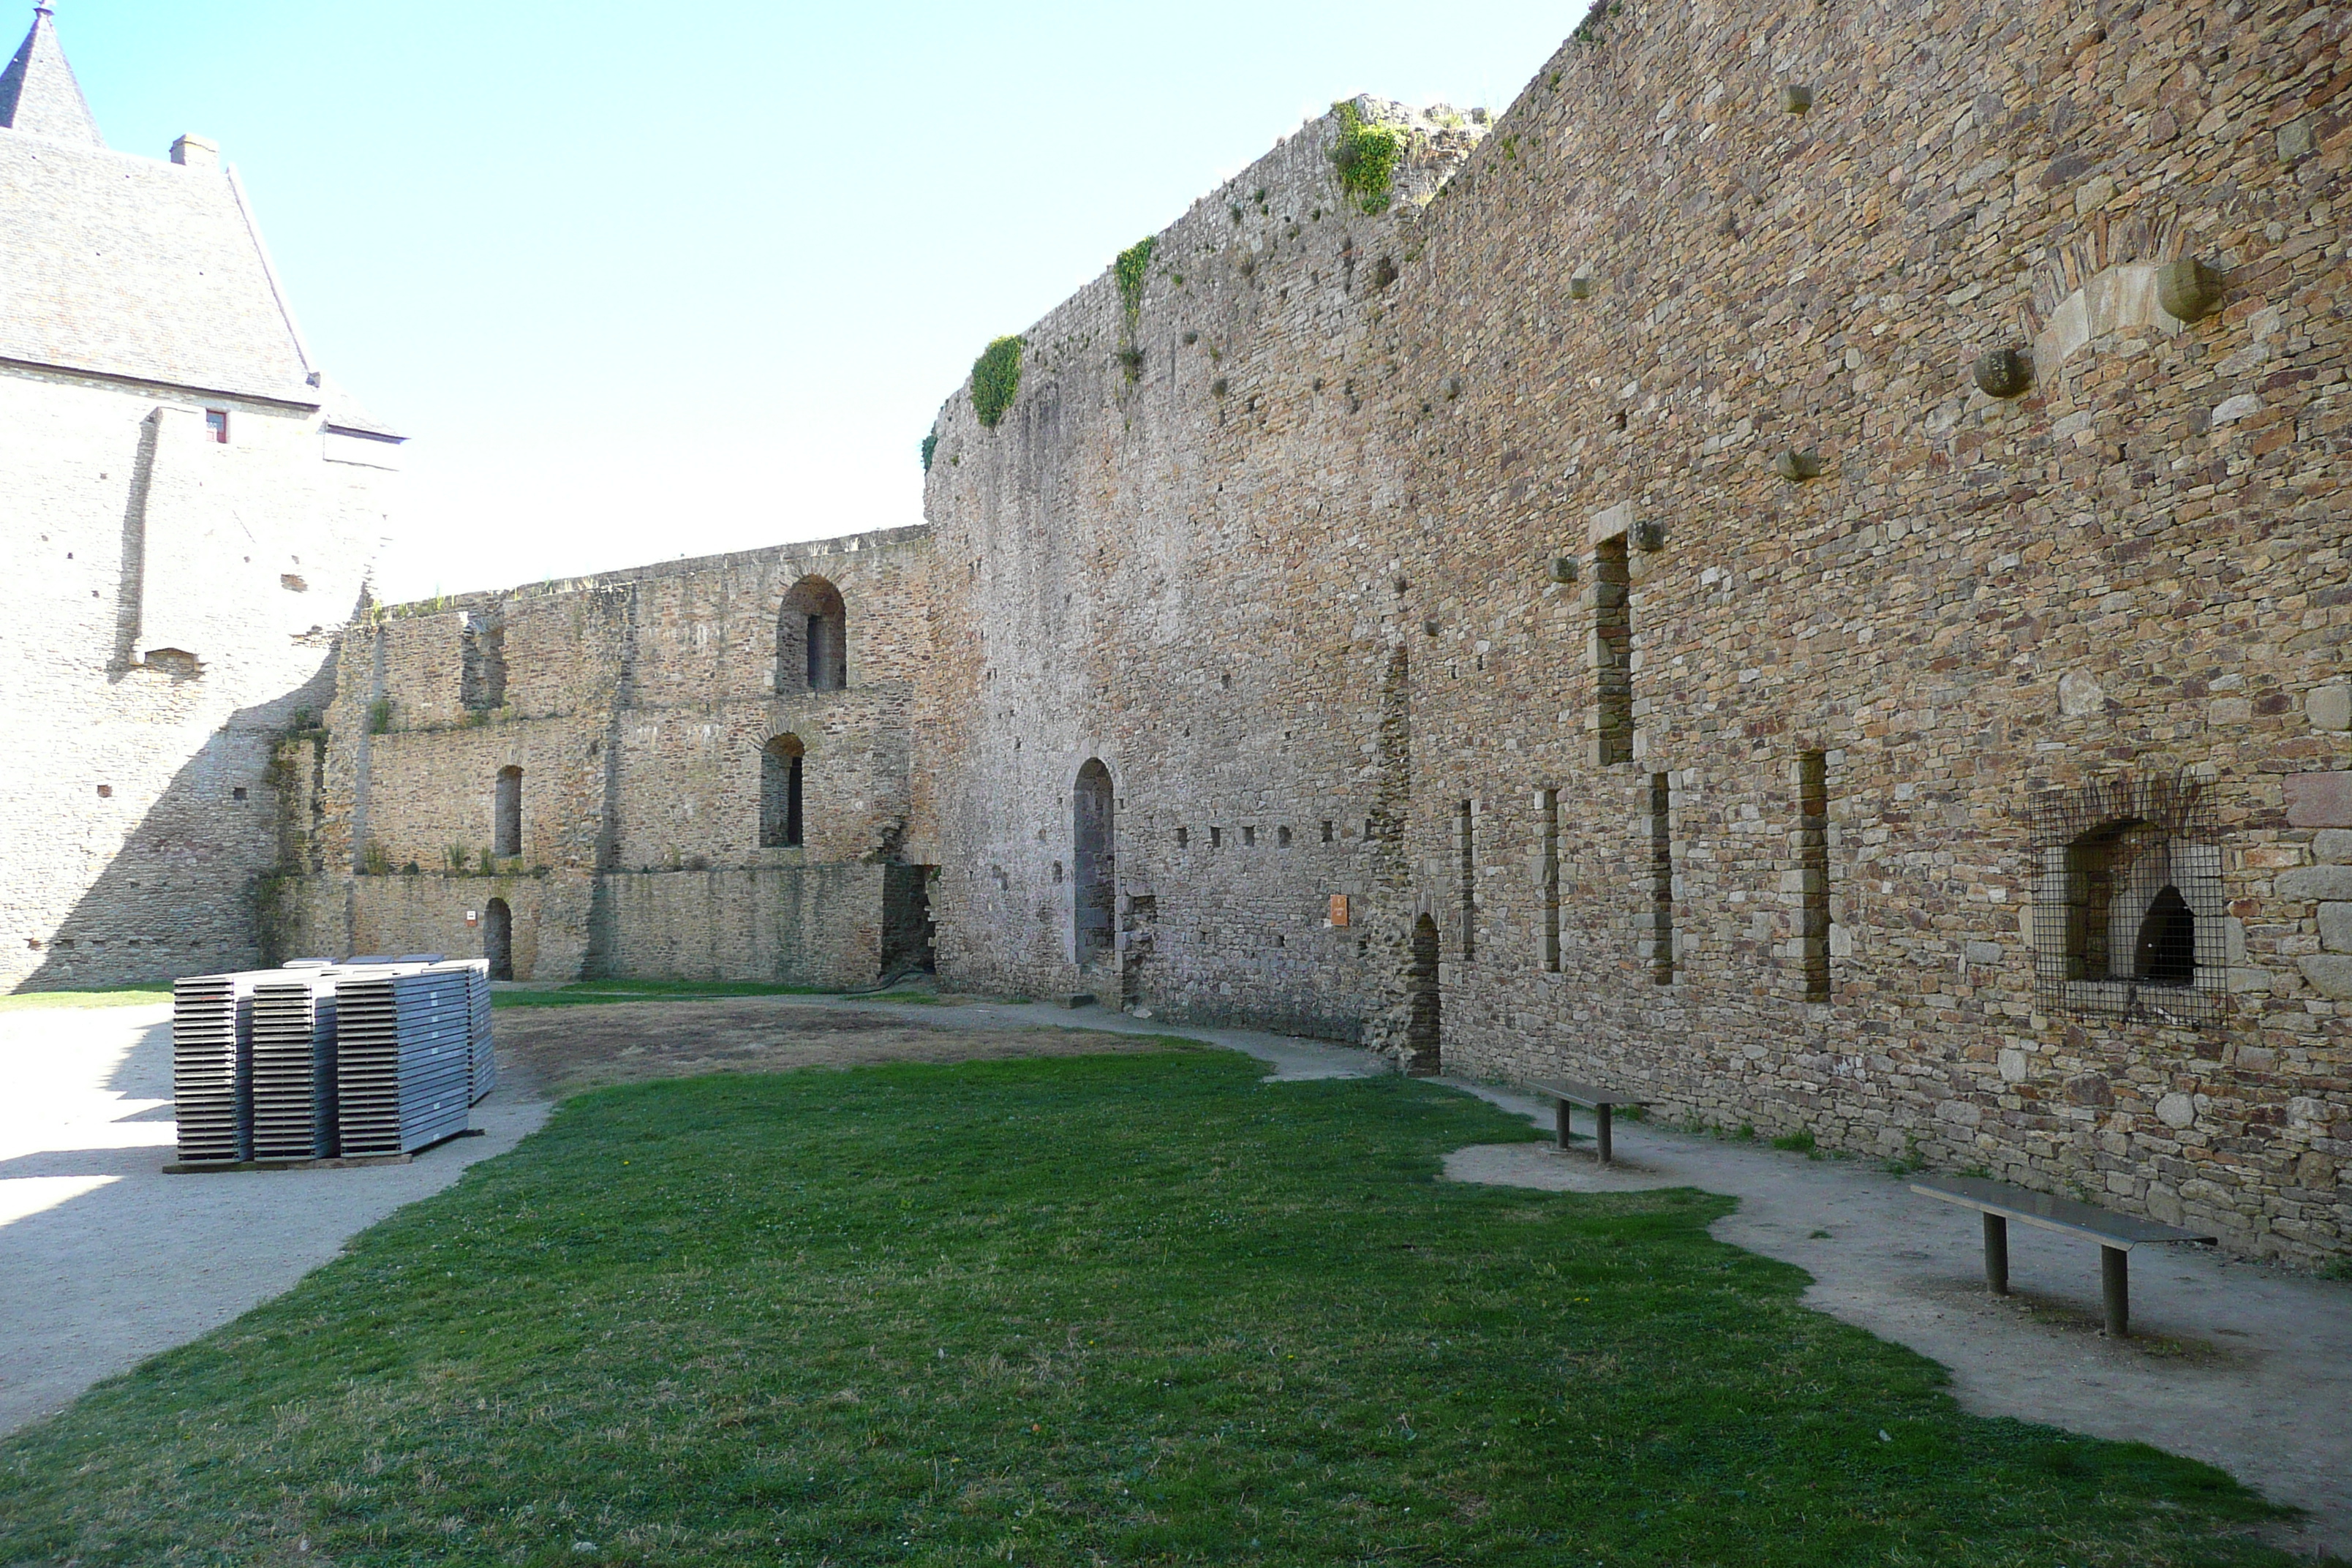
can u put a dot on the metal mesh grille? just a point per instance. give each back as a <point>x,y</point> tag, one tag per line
<point>2129,917</point>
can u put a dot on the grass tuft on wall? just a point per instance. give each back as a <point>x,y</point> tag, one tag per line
<point>996,379</point>
<point>1366,154</point>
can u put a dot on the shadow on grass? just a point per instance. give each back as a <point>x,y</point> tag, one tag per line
<point>1136,1309</point>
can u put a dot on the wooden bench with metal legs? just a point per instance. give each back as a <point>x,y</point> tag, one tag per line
<point>1599,1101</point>
<point>2116,1234</point>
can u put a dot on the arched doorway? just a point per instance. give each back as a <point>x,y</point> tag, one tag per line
<point>2167,951</point>
<point>505,820</point>
<point>1094,851</point>
<point>498,938</point>
<point>780,792</point>
<point>1423,1029</point>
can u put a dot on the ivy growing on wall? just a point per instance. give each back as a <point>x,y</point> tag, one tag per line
<point>996,379</point>
<point>930,446</point>
<point>1366,155</point>
<point>1129,269</point>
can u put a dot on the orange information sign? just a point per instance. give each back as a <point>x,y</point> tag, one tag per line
<point>1338,908</point>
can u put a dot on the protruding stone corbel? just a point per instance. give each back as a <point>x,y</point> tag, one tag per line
<point>2004,372</point>
<point>1797,467</point>
<point>2188,288</point>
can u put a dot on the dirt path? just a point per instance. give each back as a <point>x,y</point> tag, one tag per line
<point>559,1051</point>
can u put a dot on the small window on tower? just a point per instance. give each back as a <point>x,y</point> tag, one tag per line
<point>217,424</point>
<point>237,794</point>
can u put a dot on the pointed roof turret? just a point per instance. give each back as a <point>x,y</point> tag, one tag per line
<point>39,95</point>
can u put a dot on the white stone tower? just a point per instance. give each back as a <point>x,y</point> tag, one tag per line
<point>188,511</point>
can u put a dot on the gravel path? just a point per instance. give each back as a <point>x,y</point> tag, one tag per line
<point>105,1260</point>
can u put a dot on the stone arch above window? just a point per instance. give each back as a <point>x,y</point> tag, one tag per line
<point>781,761</point>
<point>2120,299</point>
<point>812,638</point>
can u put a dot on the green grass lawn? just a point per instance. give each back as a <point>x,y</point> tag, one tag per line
<point>1112,1309</point>
<point>112,997</point>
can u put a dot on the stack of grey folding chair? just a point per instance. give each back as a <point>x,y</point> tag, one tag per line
<point>376,1056</point>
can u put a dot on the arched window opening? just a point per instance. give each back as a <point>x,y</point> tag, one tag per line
<point>2167,953</point>
<point>780,792</point>
<point>2129,917</point>
<point>506,828</point>
<point>2126,917</point>
<point>1095,843</point>
<point>812,638</point>
<point>498,938</point>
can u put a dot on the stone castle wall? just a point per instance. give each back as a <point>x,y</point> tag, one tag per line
<point>1173,572</point>
<point>1305,566</point>
<point>635,706</point>
<point>174,605</point>
<point>1581,617</point>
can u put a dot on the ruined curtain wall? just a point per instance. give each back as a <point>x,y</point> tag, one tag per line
<point>636,705</point>
<point>1175,555</point>
<point>1793,834</point>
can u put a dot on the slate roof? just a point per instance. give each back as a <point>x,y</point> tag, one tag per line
<point>38,94</point>
<point>133,266</point>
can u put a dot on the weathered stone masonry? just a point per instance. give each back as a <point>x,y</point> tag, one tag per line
<point>634,709</point>
<point>1648,282</point>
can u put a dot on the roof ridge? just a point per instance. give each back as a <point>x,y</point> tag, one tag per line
<point>38,94</point>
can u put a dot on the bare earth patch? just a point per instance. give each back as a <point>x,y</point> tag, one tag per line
<point>559,1051</point>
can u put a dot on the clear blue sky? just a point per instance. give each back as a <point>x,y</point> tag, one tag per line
<point>642,281</point>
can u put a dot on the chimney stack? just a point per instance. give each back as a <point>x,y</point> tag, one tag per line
<point>196,152</point>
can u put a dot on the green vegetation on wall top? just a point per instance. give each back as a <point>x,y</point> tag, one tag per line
<point>1588,30</point>
<point>996,379</point>
<point>1130,270</point>
<point>1366,155</point>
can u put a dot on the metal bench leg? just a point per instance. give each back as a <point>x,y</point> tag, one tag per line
<point>1563,1123</point>
<point>1602,1113</point>
<point>1996,1235</point>
<point>2114,1289</point>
